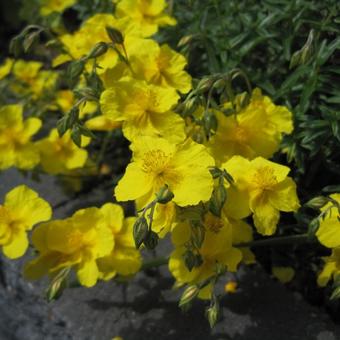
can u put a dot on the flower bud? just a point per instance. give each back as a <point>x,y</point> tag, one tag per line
<point>115,35</point>
<point>140,231</point>
<point>317,202</point>
<point>212,313</point>
<point>204,85</point>
<point>188,296</point>
<point>98,50</point>
<point>164,195</point>
<point>151,240</point>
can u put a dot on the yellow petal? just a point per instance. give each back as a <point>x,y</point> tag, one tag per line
<point>18,245</point>
<point>266,218</point>
<point>134,184</point>
<point>28,206</point>
<point>283,196</point>
<point>88,273</point>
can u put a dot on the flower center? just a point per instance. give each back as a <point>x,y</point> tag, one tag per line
<point>264,178</point>
<point>157,163</point>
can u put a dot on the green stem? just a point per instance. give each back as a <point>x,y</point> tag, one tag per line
<point>157,262</point>
<point>274,241</point>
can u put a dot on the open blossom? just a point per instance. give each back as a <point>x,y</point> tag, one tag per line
<point>156,162</point>
<point>146,14</point>
<point>31,79</point>
<point>270,190</point>
<point>22,209</point>
<point>144,110</point>
<point>216,250</point>
<point>255,130</point>
<point>60,154</point>
<point>76,242</point>
<point>16,148</point>
<point>159,65</point>
<point>329,229</point>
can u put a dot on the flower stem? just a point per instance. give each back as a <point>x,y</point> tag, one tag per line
<point>274,241</point>
<point>156,262</point>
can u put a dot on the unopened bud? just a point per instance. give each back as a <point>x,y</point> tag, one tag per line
<point>204,85</point>
<point>185,40</point>
<point>188,296</point>
<point>140,231</point>
<point>87,93</point>
<point>151,240</point>
<point>212,313</point>
<point>115,35</point>
<point>317,202</point>
<point>164,195</point>
<point>98,50</point>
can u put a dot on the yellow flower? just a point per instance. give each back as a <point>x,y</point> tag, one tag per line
<point>144,110</point>
<point>16,149</point>
<point>22,209</point>
<point>50,6</point>
<point>329,229</point>
<point>159,65</point>
<point>60,154</point>
<point>270,191</point>
<point>31,79</point>
<point>216,250</point>
<point>156,162</point>
<point>254,131</point>
<point>331,268</point>
<point>5,69</point>
<point>93,31</point>
<point>76,242</point>
<point>125,258</point>
<point>146,14</point>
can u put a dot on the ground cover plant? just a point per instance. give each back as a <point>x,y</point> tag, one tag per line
<point>213,123</point>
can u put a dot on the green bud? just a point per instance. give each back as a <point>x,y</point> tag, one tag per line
<point>190,106</point>
<point>98,50</point>
<point>57,285</point>
<point>204,85</point>
<point>164,195</point>
<point>188,296</point>
<point>140,231</point>
<point>317,202</point>
<point>151,240</point>
<point>213,312</point>
<point>210,121</point>
<point>219,84</point>
<point>88,93</point>
<point>115,35</point>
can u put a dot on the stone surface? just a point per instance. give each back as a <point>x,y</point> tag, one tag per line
<point>146,308</point>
